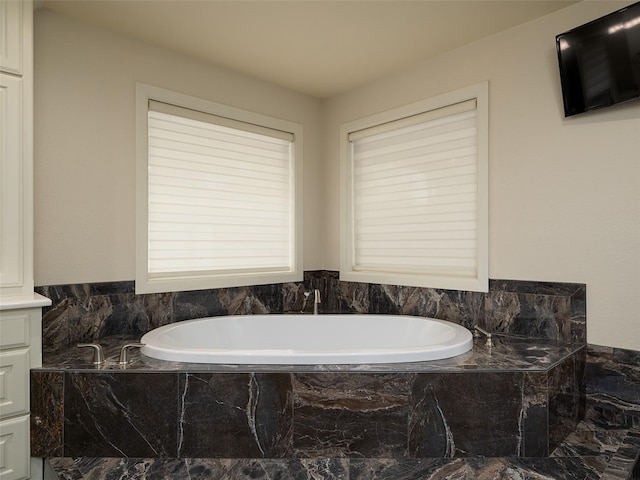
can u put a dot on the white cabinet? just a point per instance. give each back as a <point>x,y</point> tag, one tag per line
<point>14,448</point>
<point>20,350</point>
<point>20,307</point>
<point>11,233</point>
<point>16,147</point>
<point>11,32</point>
<point>14,391</point>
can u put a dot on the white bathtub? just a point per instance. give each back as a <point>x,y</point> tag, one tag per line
<point>307,339</point>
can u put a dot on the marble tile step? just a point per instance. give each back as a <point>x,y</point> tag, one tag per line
<point>587,453</point>
<point>569,468</point>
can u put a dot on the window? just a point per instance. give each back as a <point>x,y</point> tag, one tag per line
<point>217,195</point>
<point>415,201</point>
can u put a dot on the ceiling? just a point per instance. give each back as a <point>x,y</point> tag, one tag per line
<point>319,48</point>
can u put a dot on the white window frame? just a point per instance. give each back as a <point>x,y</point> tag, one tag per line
<point>477,282</point>
<point>183,282</point>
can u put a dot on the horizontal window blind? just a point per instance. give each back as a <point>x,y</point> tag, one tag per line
<point>415,194</point>
<point>196,115</point>
<point>416,119</point>
<point>219,195</point>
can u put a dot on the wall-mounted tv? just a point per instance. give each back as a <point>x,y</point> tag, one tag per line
<point>600,61</point>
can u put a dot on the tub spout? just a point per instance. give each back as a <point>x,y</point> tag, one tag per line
<point>316,301</point>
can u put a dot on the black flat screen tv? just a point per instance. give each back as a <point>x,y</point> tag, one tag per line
<point>600,61</point>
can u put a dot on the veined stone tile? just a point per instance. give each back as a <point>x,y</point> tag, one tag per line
<point>235,415</point>
<point>590,443</point>
<point>350,415</point>
<point>47,413</point>
<point>459,415</point>
<point>566,400</point>
<point>84,312</point>
<point>88,468</point>
<point>120,414</point>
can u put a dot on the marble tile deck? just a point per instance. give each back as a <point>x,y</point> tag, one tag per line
<point>515,354</point>
<point>519,398</point>
<point>591,451</point>
<point>585,454</point>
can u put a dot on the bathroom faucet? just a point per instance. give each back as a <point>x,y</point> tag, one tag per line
<point>476,333</point>
<point>98,355</point>
<point>316,301</point>
<point>124,353</point>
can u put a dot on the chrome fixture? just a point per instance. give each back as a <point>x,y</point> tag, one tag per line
<point>306,299</point>
<point>476,333</point>
<point>124,352</point>
<point>98,356</point>
<point>316,301</point>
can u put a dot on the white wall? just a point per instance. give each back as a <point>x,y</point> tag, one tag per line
<point>85,144</point>
<point>564,193</point>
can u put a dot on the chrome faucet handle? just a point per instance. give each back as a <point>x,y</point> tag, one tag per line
<point>478,330</point>
<point>304,302</point>
<point>98,355</point>
<point>124,352</point>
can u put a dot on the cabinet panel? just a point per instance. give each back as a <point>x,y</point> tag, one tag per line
<point>11,182</point>
<point>11,36</point>
<point>14,382</point>
<point>14,448</point>
<point>14,329</point>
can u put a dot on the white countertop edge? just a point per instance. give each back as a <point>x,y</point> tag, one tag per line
<point>13,302</point>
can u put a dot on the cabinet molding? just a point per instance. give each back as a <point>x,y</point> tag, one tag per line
<point>14,389</point>
<point>11,36</point>
<point>15,329</point>
<point>14,448</point>
<point>11,183</point>
<point>16,147</point>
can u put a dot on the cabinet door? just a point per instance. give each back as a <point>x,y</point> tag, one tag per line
<point>14,448</point>
<point>14,383</point>
<point>14,325</point>
<point>11,183</point>
<point>11,36</point>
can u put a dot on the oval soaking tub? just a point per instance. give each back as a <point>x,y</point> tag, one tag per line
<point>307,339</point>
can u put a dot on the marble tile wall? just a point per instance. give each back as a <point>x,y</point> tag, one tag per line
<point>87,312</point>
<point>325,418</point>
<point>303,414</point>
<point>612,386</point>
<point>566,397</point>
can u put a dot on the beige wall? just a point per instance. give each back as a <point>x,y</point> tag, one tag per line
<point>564,193</point>
<point>85,143</point>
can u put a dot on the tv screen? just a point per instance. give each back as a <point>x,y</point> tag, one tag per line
<point>600,61</point>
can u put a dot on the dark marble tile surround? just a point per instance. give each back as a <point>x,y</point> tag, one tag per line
<point>413,410</point>
<point>606,445</point>
<point>382,424</point>
<point>586,467</point>
<point>87,312</point>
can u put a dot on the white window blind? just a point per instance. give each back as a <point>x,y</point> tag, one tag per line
<point>220,195</point>
<point>416,203</point>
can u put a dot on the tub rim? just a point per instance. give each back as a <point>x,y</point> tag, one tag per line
<point>460,343</point>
